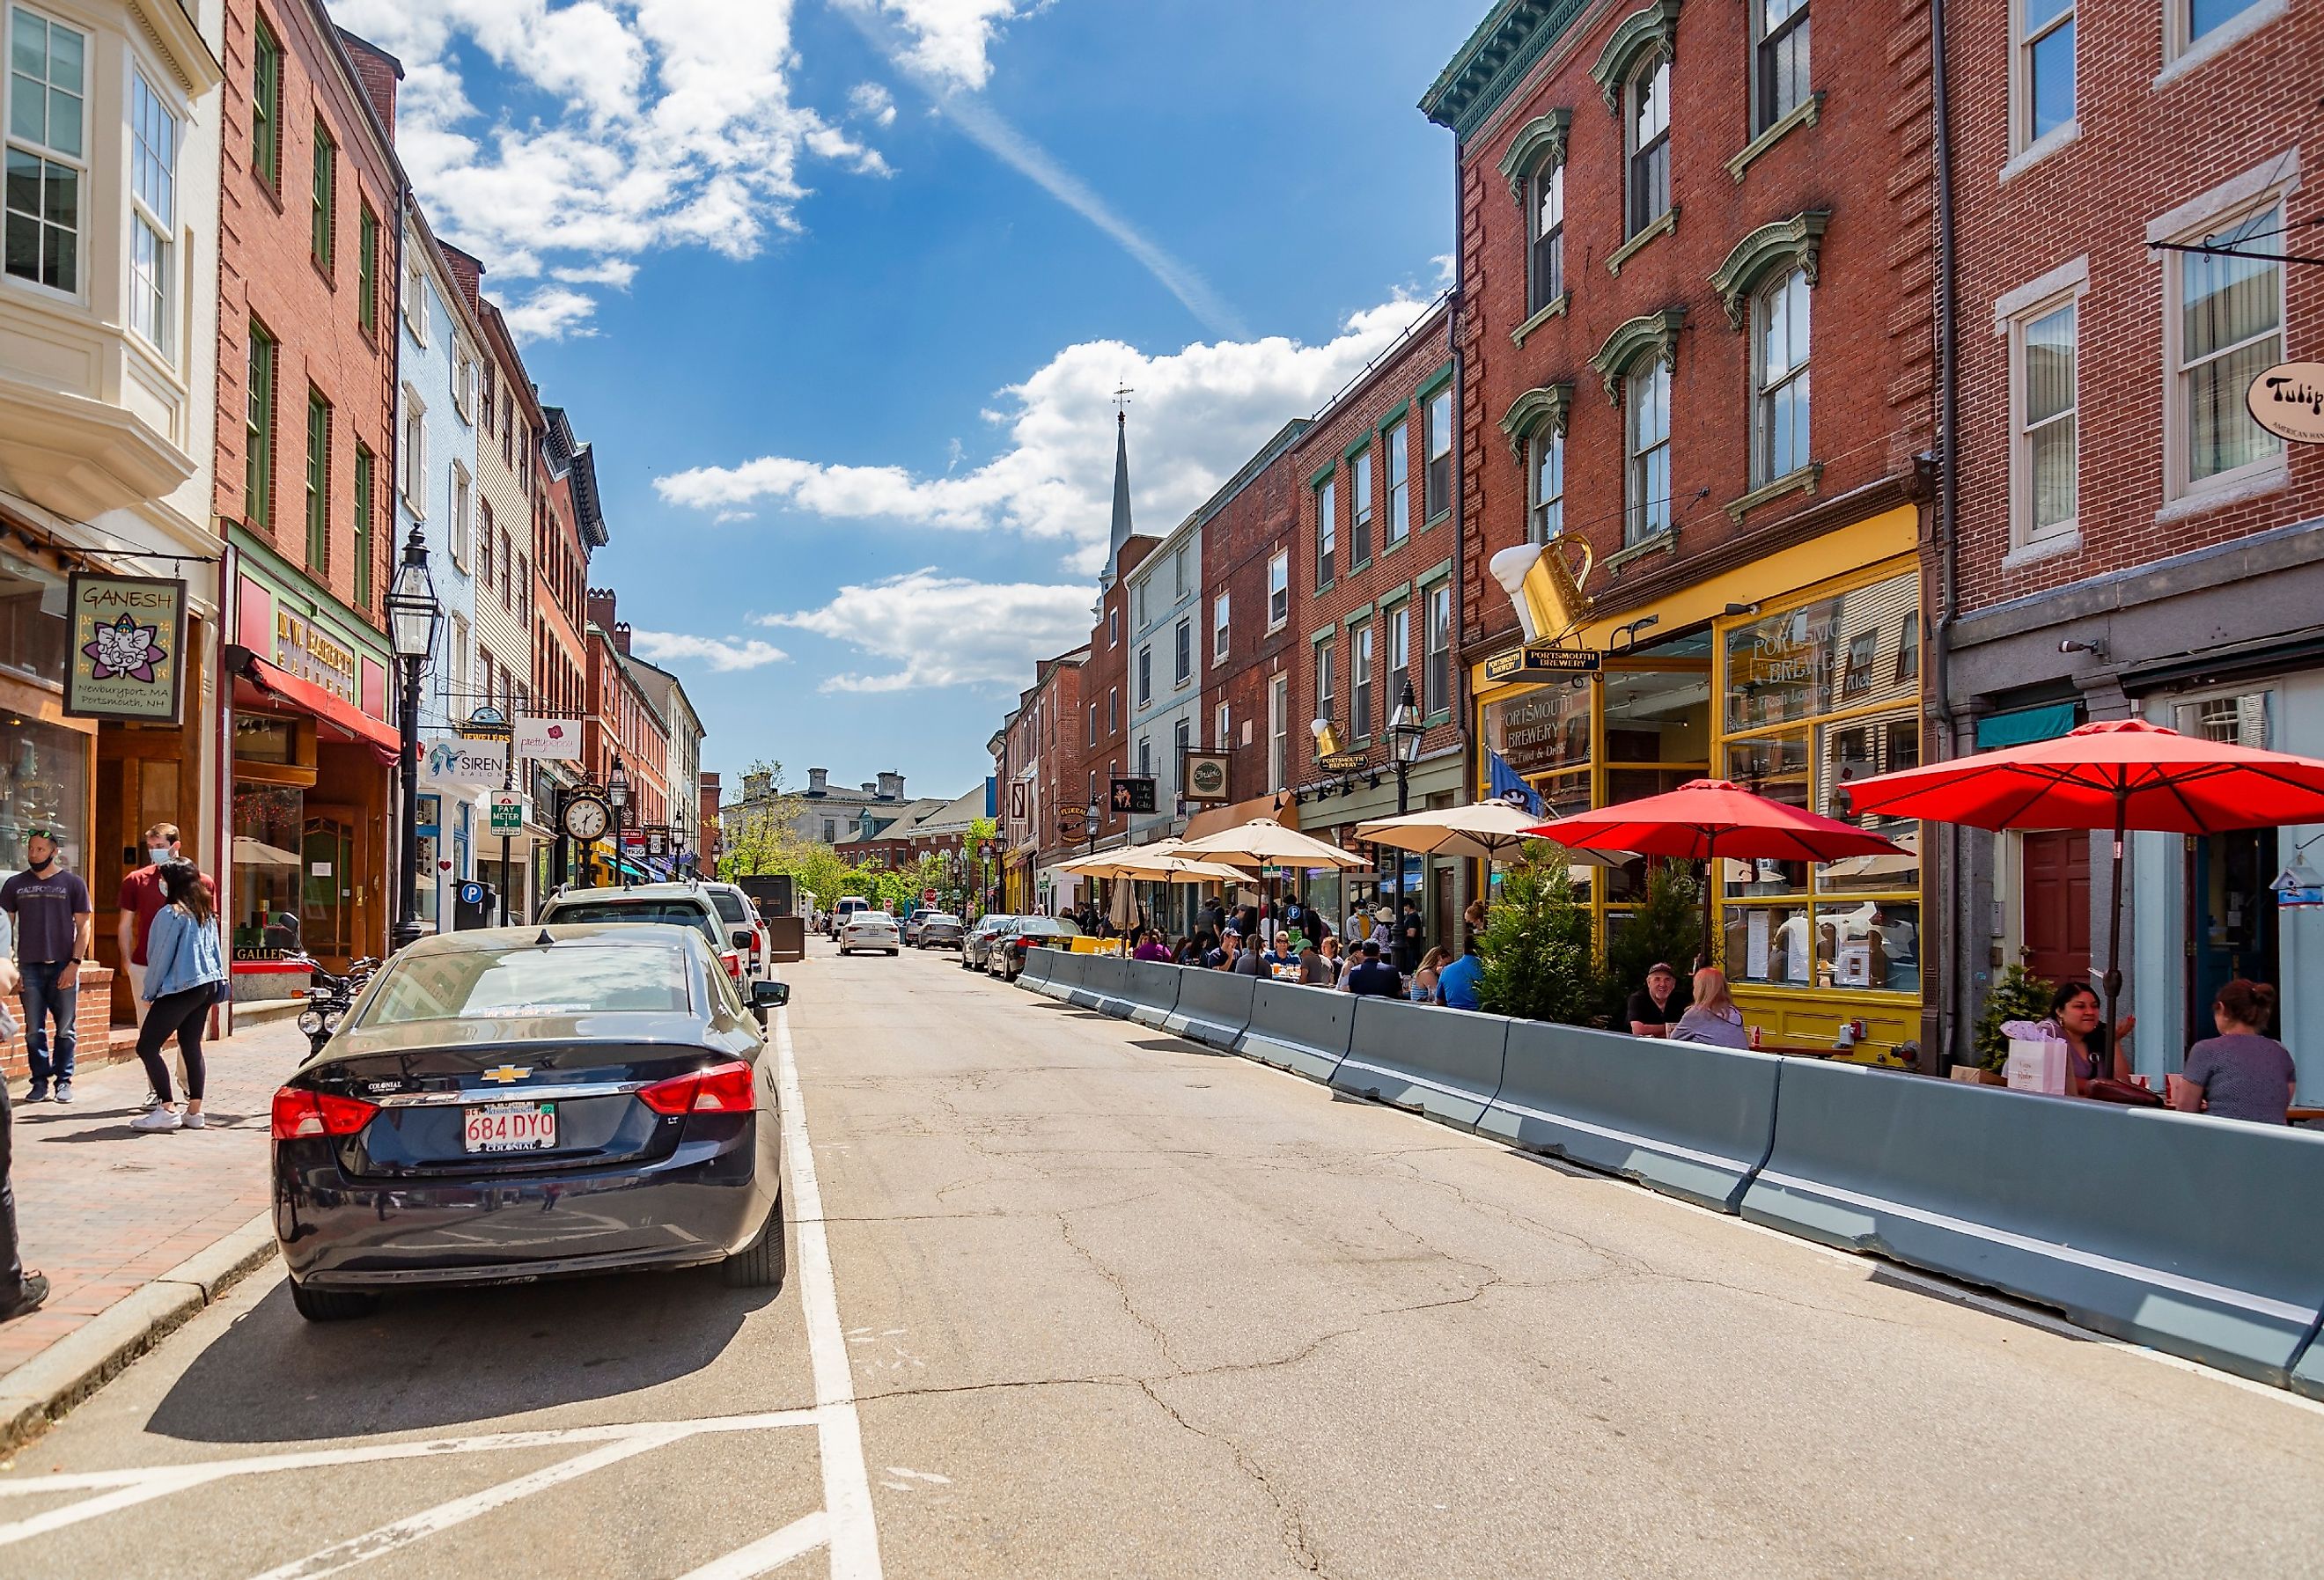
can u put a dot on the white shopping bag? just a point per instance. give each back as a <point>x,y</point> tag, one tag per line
<point>2037,1063</point>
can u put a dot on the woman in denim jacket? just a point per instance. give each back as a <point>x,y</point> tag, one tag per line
<point>184,967</point>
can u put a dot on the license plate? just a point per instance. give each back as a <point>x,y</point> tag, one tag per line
<point>510,1127</point>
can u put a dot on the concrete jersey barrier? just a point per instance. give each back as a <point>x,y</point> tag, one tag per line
<point>1212,1008</point>
<point>1108,982</point>
<point>1090,972</point>
<point>2193,1235</point>
<point>1064,973</point>
<point>1684,1119</point>
<point>1443,1063</point>
<point>1303,1030</point>
<point>1151,989</point>
<point>1034,974</point>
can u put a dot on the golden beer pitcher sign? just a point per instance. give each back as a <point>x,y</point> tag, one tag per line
<point>1545,583</point>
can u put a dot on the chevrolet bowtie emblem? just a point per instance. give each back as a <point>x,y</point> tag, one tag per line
<point>509,1072</point>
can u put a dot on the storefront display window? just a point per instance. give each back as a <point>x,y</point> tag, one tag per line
<point>43,784</point>
<point>268,824</point>
<point>32,623</point>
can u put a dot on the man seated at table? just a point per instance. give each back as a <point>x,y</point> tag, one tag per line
<point>1373,976</point>
<point>1656,1007</point>
<point>1280,955</point>
<point>1456,985</point>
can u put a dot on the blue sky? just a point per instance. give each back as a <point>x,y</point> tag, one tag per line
<point>839,290</point>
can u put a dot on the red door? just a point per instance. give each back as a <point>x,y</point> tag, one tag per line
<point>2055,880</point>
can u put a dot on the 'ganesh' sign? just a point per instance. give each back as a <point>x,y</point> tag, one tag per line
<point>127,639</point>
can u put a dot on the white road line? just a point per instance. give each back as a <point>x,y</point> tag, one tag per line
<point>400,1533</point>
<point>768,1553</point>
<point>847,1484</point>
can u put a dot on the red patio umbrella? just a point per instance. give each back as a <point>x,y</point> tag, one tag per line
<point>2117,773</point>
<point>1706,818</point>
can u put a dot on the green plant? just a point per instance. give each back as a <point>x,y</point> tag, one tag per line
<point>1665,927</point>
<point>1537,947</point>
<point>2019,995</point>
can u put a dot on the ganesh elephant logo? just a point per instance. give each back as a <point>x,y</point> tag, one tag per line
<point>126,649</point>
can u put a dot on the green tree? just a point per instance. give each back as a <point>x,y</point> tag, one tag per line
<point>2019,995</point>
<point>1666,926</point>
<point>1536,946</point>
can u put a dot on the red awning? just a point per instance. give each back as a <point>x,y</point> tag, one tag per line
<point>343,718</point>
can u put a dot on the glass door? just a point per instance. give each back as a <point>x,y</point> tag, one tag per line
<point>327,887</point>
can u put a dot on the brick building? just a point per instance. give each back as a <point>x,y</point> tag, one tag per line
<point>1635,344</point>
<point>1099,749</point>
<point>567,527</point>
<point>1043,789</point>
<point>1375,579</point>
<point>625,723</point>
<point>2115,495</point>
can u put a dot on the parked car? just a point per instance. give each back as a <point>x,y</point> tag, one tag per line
<point>740,913</point>
<point>870,930</point>
<point>976,939</point>
<point>510,1104</point>
<point>938,929</point>
<point>1007,957</point>
<point>912,919</point>
<point>685,904</point>
<point>842,911</point>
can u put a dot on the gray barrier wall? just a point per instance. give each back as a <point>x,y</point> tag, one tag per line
<point>1445,1063</point>
<point>1679,1117</point>
<point>1100,985</point>
<point>1151,989</point>
<point>1212,1008</point>
<point>1303,1030</point>
<point>1064,973</point>
<point>2195,1235</point>
<point>1040,965</point>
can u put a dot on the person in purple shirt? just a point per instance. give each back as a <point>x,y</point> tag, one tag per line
<point>2243,1073</point>
<point>54,935</point>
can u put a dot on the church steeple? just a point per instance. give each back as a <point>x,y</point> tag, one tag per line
<point>1121,490</point>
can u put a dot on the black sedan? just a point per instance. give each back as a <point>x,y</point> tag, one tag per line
<point>514,1104</point>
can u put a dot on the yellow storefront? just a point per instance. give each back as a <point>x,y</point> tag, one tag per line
<point>1792,675</point>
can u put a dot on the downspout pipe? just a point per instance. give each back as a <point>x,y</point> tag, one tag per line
<point>1952,950</point>
<point>1462,702</point>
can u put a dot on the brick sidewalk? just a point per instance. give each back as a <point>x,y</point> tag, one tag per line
<point>103,1209</point>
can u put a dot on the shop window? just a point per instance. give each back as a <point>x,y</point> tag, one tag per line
<point>1793,665</point>
<point>32,625</point>
<point>269,834</point>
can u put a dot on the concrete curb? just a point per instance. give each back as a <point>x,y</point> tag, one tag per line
<point>38,1393</point>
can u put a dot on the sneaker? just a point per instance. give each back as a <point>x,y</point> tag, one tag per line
<point>64,1092</point>
<point>194,1121</point>
<point>156,1118</point>
<point>37,1094</point>
<point>36,1289</point>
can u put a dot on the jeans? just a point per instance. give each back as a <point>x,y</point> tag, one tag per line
<point>11,1266</point>
<point>43,998</point>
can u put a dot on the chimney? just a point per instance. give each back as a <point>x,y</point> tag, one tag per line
<point>468,272</point>
<point>891,787</point>
<point>870,788</point>
<point>379,72</point>
<point>621,637</point>
<point>601,608</point>
<point>819,782</point>
<point>756,786</point>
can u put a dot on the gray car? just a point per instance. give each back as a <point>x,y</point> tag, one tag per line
<point>1006,957</point>
<point>938,929</point>
<point>976,941</point>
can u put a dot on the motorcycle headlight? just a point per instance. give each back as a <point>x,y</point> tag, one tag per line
<point>311,1021</point>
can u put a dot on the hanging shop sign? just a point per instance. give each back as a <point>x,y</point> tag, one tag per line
<point>1133,793</point>
<point>2288,400</point>
<point>127,642</point>
<point>1205,775</point>
<point>656,840</point>
<point>1542,659</point>
<point>469,764</point>
<point>549,740</point>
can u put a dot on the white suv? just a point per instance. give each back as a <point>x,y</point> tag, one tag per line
<point>684,904</point>
<point>739,915</point>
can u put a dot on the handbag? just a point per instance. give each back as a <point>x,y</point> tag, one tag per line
<point>2130,1094</point>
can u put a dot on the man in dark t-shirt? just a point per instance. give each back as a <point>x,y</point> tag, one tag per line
<point>1656,1007</point>
<point>1374,978</point>
<point>1411,938</point>
<point>52,915</point>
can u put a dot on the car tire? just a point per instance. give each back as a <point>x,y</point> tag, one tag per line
<point>331,1304</point>
<point>893,952</point>
<point>761,1264</point>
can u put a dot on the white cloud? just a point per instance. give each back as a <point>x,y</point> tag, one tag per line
<point>946,631</point>
<point>948,40</point>
<point>1197,415</point>
<point>551,313</point>
<point>871,102</point>
<point>724,654</point>
<point>667,123</point>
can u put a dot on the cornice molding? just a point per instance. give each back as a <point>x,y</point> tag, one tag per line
<point>1538,146</point>
<point>1634,340</point>
<point>1786,243</point>
<point>1530,414</point>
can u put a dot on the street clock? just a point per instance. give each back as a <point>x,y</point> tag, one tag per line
<point>586,818</point>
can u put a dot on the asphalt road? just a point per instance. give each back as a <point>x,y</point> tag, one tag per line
<point>1101,1303</point>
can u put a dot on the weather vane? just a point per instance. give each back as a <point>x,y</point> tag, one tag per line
<point>1122,398</point>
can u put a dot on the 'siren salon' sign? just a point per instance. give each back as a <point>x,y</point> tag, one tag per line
<point>126,646</point>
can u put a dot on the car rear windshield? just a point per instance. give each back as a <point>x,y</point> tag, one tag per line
<point>554,979</point>
<point>730,906</point>
<point>1049,928</point>
<point>680,912</point>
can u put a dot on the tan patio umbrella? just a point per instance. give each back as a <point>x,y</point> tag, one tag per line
<point>1264,842</point>
<point>1485,831</point>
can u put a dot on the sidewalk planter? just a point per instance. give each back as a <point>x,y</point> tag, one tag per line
<point>1303,1030</point>
<point>1681,1118</point>
<point>2195,1235</point>
<point>1151,990</point>
<point>1443,1063</point>
<point>1213,1008</point>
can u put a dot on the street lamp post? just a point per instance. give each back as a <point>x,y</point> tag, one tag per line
<point>1092,815</point>
<point>412,616</point>
<point>1404,730</point>
<point>617,796</point>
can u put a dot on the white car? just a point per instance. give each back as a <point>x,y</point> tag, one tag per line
<point>739,913</point>
<point>870,930</point>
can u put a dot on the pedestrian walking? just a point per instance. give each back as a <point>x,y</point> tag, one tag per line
<point>19,1292</point>
<point>1411,937</point>
<point>186,968</point>
<point>54,930</point>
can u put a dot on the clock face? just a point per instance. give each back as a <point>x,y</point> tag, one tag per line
<point>584,817</point>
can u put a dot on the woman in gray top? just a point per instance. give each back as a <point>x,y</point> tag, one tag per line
<point>1712,1018</point>
<point>2242,1073</point>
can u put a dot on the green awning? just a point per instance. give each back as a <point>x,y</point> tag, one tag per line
<point>2024,725</point>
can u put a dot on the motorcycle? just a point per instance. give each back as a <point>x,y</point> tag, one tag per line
<point>329,997</point>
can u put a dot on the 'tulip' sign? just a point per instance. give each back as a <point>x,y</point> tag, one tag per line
<point>2288,400</point>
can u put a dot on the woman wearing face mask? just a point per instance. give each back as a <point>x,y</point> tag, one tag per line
<point>184,970</point>
<point>140,901</point>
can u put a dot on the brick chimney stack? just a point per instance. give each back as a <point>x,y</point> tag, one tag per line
<point>379,72</point>
<point>819,782</point>
<point>621,638</point>
<point>466,272</point>
<point>600,608</point>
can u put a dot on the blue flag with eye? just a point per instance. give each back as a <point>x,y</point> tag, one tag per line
<point>1509,785</point>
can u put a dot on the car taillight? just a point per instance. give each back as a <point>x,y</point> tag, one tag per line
<point>723,1088</point>
<point>298,1115</point>
<point>1021,945</point>
<point>734,963</point>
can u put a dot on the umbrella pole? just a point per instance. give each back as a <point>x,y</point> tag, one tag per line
<point>1710,867</point>
<point>2114,931</point>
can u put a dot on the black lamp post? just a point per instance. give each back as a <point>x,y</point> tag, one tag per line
<point>617,796</point>
<point>1404,732</point>
<point>412,616</point>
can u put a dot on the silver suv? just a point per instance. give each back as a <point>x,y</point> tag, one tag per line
<point>684,904</point>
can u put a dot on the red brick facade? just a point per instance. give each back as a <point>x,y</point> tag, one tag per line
<point>1240,540</point>
<point>1094,752</point>
<point>268,273</point>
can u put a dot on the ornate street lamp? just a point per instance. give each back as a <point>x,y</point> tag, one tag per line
<point>412,616</point>
<point>1404,732</point>
<point>617,796</point>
